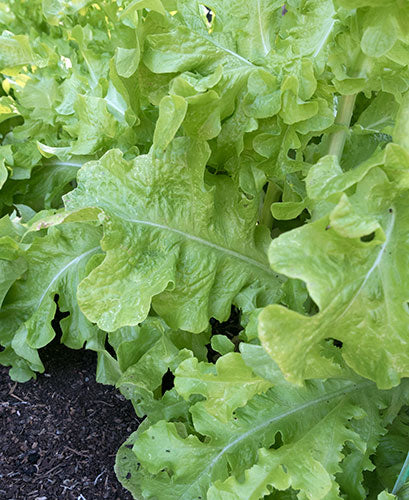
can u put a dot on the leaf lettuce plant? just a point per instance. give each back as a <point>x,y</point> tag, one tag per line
<point>163,163</point>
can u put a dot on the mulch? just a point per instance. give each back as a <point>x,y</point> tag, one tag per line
<point>59,434</point>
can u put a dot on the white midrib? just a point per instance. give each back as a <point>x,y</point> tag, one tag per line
<point>254,430</point>
<point>378,122</point>
<point>62,164</point>
<point>231,52</point>
<point>114,106</point>
<point>324,39</point>
<point>62,271</point>
<point>263,40</point>
<point>204,242</point>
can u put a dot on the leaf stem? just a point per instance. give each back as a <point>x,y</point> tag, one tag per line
<point>343,119</point>
<point>403,475</point>
<point>273,194</point>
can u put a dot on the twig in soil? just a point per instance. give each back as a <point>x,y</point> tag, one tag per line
<point>12,387</point>
<point>52,470</point>
<point>65,487</point>
<point>80,453</point>
<point>16,397</point>
<point>81,497</point>
<point>104,403</point>
<point>8,403</point>
<point>98,477</point>
<point>11,393</point>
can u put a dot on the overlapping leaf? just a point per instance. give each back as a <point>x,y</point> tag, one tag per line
<point>370,42</point>
<point>226,385</point>
<point>186,246</point>
<point>356,283</point>
<point>60,98</point>
<point>55,265</point>
<point>144,355</point>
<point>12,261</point>
<point>329,411</point>
<point>253,60</point>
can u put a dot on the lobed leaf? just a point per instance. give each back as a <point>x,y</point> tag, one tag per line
<point>185,243</point>
<point>356,283</point>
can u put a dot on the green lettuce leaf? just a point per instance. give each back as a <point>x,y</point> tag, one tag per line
<point>12,262</point>
<point>264,443</point>
<point>156,235</point>
<point>355,281</point>
<point>226,385</point>
<point>144,355</point>
<point>55,265</point>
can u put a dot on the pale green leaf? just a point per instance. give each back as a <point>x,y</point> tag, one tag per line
<point>307,465</point>
<point>356,284</point>
<point>172,240</point>
<point>54,10</point>
<point>56,264</point>
<point>288,210</point>
<point>326,178</point>
<point>95,125</point>
<point>227,385</point>
<point>127,61</point>
<point>311,450</point>
<point>347,222</point>
<point>222,344</point>
<point>12,264</point>
<point>256,358</point>
<point>172,111</point>
<point>3,173</point>
<point>379,37</point>
<point>7,108</point>
<point>15,51</point>
<point>401,130</point>
<point>155,5</point>
<point>386,496</point>
<point>144,356</point>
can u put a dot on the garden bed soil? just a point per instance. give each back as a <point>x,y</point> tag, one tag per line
<point>59,434</point>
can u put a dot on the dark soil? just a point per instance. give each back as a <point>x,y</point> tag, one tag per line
<point>231,328</point>
<point>59,434</point>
